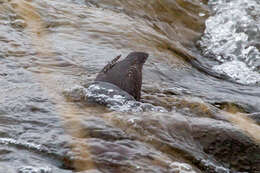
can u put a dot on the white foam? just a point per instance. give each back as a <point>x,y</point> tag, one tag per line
<point>238,71</point>
<point>228,37</point>
<point>181,167</point>
<point>202,14</point>
<point>31,169</point>
<point>6,141</point>
<point>114,102</point>
<point>216,167</point>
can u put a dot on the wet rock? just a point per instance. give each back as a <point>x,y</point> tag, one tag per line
<point>91,171</point>
<point>126,156</point>
<point>188,106</point>
<point>94,127</point>
<point>255,117</point>
<point>232,107</point>
<point>175,91</point>
<point>212,145</point>
<point>228,144</point>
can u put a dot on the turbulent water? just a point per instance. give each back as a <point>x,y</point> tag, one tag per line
<point>232,38</point>
<point>199,110</point>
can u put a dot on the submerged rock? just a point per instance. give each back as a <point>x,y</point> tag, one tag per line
<point>111,96</point>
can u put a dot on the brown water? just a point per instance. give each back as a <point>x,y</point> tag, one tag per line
<point>50,46</point>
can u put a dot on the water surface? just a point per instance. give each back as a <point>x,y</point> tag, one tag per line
<point>202,71</point>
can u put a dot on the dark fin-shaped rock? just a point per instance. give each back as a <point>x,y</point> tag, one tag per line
<point>126,74</point>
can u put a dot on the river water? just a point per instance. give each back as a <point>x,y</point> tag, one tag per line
<point>200,96</point>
